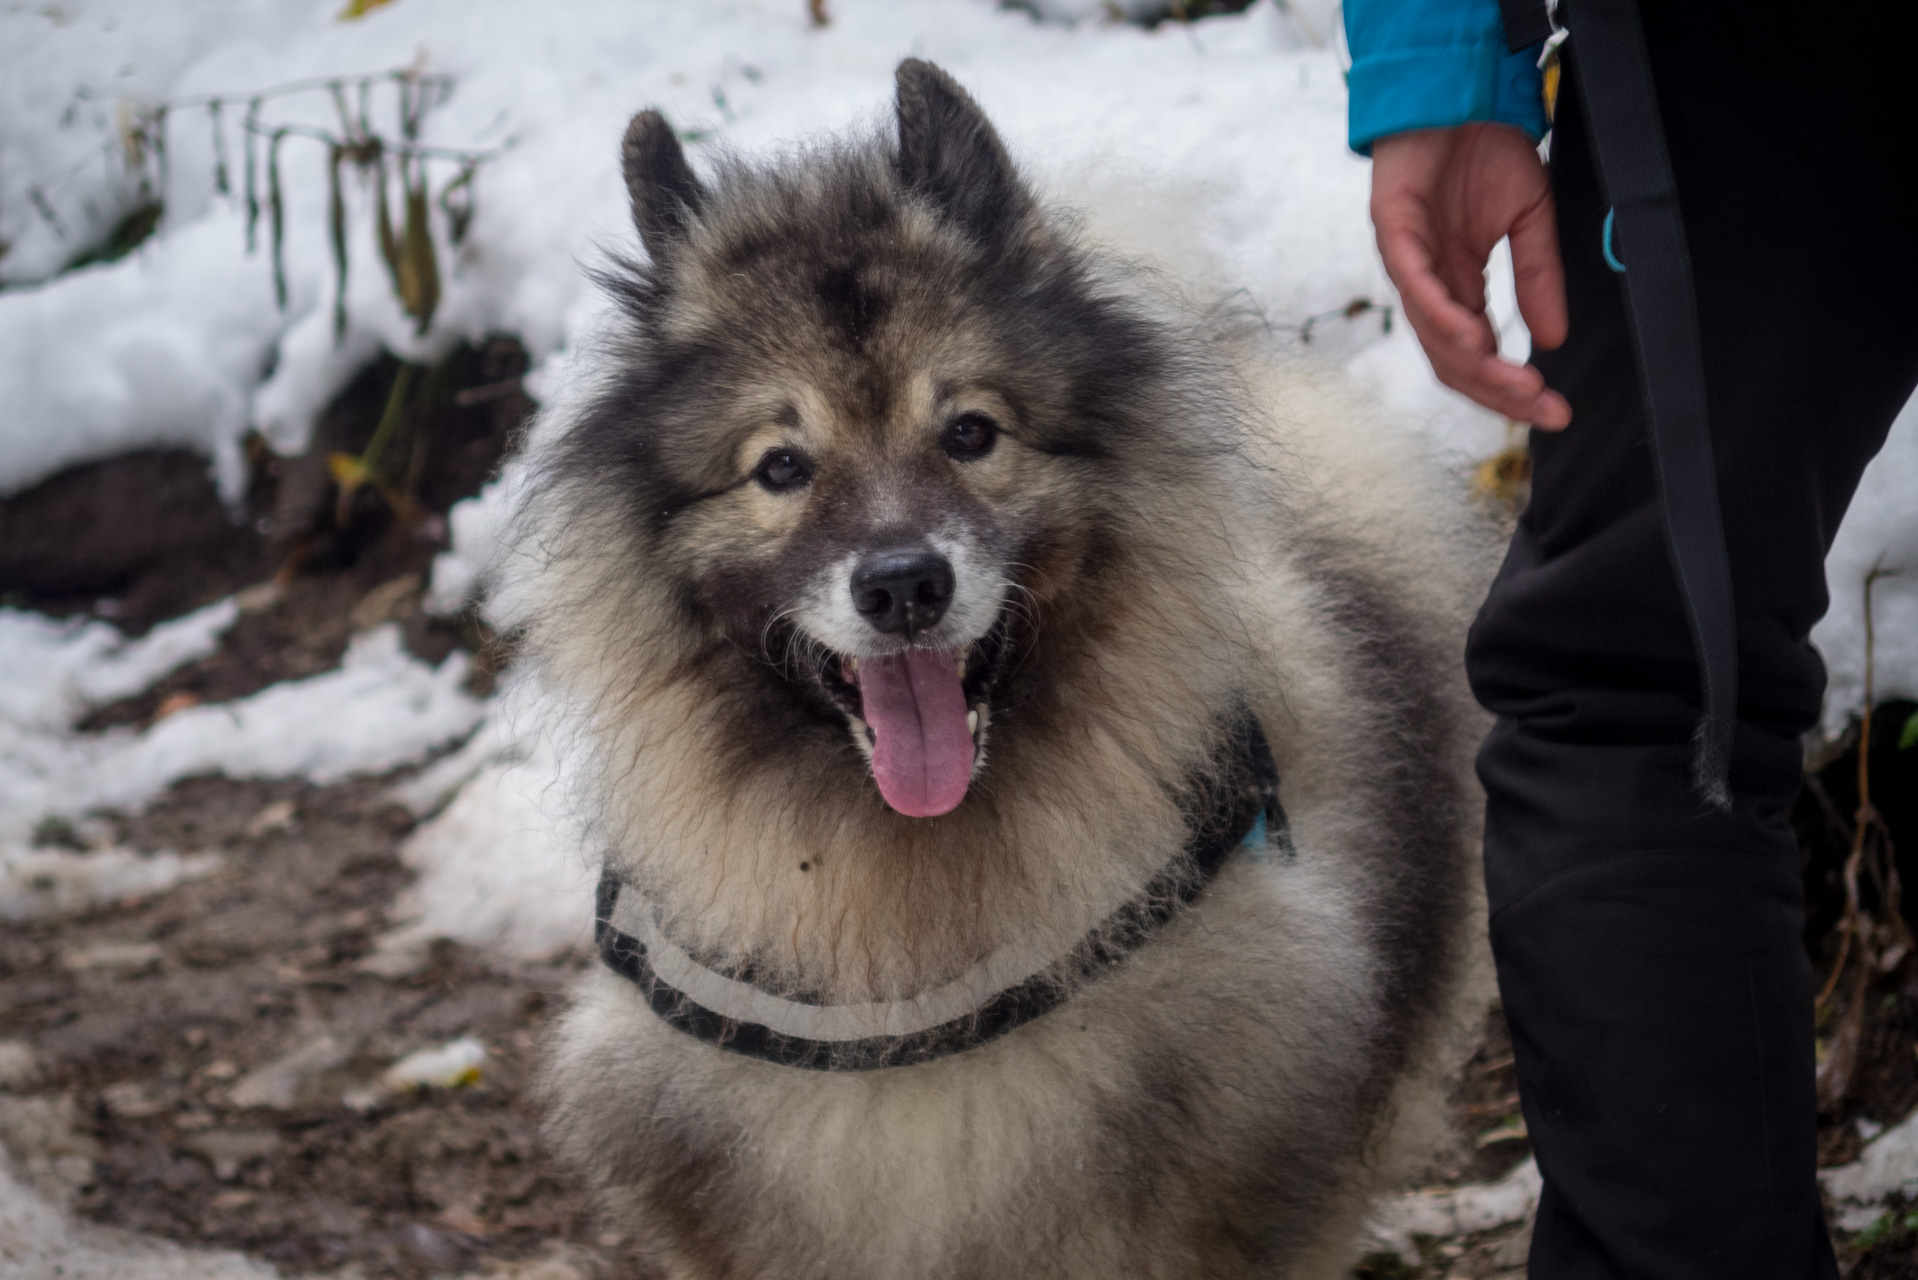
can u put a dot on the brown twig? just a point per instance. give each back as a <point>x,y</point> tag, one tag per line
<point>1350,311</point>
<point>1871,851</point>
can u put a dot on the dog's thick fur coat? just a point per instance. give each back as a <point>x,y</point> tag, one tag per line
<point>1166,527</point>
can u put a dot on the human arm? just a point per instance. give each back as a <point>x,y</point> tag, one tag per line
<point>1451,120</point>
<point>1431,64</point>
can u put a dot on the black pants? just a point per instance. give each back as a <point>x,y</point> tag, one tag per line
<point>1649,950</point>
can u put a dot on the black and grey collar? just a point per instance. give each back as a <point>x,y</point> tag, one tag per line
<point>1001,992</point>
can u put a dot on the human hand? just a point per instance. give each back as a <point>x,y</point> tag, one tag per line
<point>1441,199</point>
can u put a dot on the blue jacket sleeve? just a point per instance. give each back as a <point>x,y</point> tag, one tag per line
<point>1430,64</point>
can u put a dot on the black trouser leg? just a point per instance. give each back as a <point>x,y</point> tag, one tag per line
<point>1648,948</point>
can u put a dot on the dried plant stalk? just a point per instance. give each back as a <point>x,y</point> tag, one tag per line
<point>276,206</point>
<point>406,243</point>
<point>419,278</point>
<point>336,231</point>
<point>1871,851</point>
<point>252,184</point>
<point>221,183</point>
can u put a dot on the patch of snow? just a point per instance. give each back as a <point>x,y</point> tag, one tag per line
<point>38,1240</point>
<point>479,526</point>
<point>64,70</point>
<point>500,866</point>
<point>497,870</point>
<point>1881,530</point>
<point>61,669</point>
<point>1888,1164</point>
<point>48,884</point>
<point>380,709</point>
<point>446,1066</point>
<point>1442,1213</point>
<point>161,348</point>
<point>429,791</point>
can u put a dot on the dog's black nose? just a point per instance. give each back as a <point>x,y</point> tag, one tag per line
<point>905,590</point>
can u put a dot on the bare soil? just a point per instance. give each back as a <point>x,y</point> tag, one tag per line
<point>259,962</point>
<point>253,964</point>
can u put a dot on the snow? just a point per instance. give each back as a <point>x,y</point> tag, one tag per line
<point>66,668</point>
<point>45,884</point>
<point>1245,110</point>
<point>64,68</point>
<point>380,709</point>
<point>445,1066</point>
<point>1888,1166</point>
<point>499,866</point>
<point>1237,121</point>
<point>479,528</point>
<point>1859,1191</point>
<point>108,358</point>
<point>1443,1213</point>
<point>38,1240</point>
<point>1880,530</point>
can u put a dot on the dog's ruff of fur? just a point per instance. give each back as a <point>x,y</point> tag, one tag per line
<point>1173,525</point>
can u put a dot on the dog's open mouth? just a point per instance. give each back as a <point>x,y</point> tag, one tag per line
<point>921,714</point>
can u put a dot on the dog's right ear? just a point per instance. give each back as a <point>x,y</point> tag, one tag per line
<point>665,194</point>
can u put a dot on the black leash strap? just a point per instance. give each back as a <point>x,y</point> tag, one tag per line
<point>1621,111</point>
<point>1526,23</point>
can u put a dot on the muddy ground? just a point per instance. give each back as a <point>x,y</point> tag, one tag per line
<point>198,1046</point>
<point>206,1065</point>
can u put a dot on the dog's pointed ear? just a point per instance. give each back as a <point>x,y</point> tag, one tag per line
<point>665,194</point>
<point>949,152</point>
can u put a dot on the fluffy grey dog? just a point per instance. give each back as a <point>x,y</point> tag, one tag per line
<point>1033,784</point>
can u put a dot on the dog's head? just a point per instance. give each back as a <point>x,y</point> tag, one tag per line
<point>876,437</point>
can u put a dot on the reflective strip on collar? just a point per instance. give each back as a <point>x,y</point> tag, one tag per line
<point>1007,989</point>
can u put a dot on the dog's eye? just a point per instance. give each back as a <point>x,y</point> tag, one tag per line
<point>970,436</point>
<point>783,469</point>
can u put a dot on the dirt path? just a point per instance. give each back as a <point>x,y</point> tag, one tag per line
<point>215,1056</point>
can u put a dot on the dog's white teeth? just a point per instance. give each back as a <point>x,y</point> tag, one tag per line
<point>852,668</point>
<point>972,722</point>
<point>960,667</point>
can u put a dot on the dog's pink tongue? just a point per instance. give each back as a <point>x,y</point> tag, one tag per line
<point>921,751</point>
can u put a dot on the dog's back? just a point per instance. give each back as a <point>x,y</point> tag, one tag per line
<point>1035,1009</point>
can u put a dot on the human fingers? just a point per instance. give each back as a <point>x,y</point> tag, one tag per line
<point>1437,314</point>
<point>1436,259</point>
<point>1516,391</point>
<point>1539,274</point>
<point>1462,347</point>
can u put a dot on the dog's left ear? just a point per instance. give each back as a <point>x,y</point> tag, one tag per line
<point>949,151</point>
<point>665,194</point>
